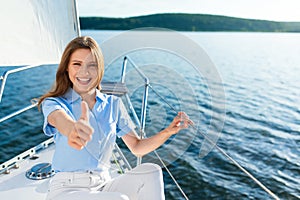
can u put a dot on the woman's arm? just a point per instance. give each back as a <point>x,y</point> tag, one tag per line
<point>78,132</point>
<point>141,147</point>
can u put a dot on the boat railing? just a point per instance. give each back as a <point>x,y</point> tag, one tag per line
<point>4,76</point>
<point>3,79</point>
<point>141,123</point>
<point>30,153</point>
<point>120,89</point>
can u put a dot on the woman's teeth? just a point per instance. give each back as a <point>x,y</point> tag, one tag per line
<point>83,80</point>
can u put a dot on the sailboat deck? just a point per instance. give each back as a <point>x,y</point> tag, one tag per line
<point>15,185</point>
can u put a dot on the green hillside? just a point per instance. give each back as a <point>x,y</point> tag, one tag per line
<point>188,22</point>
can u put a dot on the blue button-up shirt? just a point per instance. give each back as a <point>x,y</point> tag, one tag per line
<point>109,119</point>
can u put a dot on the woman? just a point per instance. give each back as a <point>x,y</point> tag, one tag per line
<point>85,123</point>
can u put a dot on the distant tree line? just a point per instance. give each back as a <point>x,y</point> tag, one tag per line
<point>188,22</point>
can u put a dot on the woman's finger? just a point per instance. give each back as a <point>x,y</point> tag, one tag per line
<point>84,111</point>
<point>85,134</point>
<point>75,142</point>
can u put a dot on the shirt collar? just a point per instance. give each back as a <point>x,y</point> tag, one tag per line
<point>100,96</point>
<point>71,96</point>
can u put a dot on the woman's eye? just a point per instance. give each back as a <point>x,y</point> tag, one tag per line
<point>92,66</point>
<point>76,65</point>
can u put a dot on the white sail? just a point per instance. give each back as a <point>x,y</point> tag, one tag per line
<point>36,31</point>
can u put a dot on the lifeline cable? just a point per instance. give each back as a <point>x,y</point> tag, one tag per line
<point>222,151</point>
<point>172,177</point>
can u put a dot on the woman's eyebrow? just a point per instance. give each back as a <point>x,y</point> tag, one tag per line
<point>76,60</point>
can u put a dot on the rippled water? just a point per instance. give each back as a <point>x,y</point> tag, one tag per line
<point>260,77</point>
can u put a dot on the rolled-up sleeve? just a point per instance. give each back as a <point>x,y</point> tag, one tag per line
<point>124,122</point>
<point>48,106</point>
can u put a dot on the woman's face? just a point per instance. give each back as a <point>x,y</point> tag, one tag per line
<point>83,71</point>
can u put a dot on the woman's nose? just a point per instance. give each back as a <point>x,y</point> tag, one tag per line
<point>83,70</point>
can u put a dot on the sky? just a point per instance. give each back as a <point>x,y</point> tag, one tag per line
<point>274,10</point>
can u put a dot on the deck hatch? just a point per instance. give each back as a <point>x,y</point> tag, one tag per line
<point>40,171</point>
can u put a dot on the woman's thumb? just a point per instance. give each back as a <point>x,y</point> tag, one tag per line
<point>84,111</point>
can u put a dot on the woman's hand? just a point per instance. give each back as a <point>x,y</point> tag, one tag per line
<point>181,121</point>
<point>141,147</point>
<point>81,132</point>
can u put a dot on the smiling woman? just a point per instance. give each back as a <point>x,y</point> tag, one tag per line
<point>83,71</point>
<point>81,65</point>
<point>85,124</point>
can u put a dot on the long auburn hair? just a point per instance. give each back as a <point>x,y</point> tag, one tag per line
<point>62,82</point>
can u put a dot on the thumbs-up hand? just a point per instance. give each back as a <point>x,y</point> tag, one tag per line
<point>81,131</point>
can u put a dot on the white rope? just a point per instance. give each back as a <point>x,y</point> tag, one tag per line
<point>173,178</point>
<point>223,152</point>
<point>239,166</point>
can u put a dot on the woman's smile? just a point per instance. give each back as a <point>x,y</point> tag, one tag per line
<point>83,81</point>
<point>82,70</point>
